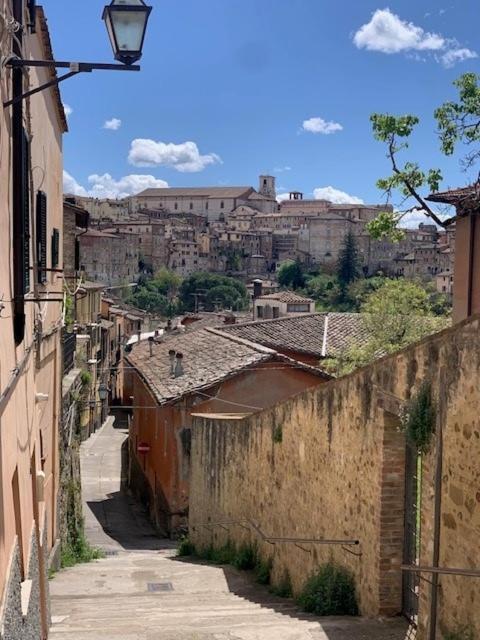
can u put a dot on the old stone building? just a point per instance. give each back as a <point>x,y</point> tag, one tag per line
<point>212,202</point>
<point>171,380</point>
<point>110,258</point>
<point>151,237</point>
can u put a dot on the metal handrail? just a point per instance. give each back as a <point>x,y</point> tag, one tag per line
<point>447,571</point>
<point>276,540</point>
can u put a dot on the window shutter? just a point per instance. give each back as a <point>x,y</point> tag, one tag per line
<point>26,213</point>
<point>42,236</point>
<point>55,247</point>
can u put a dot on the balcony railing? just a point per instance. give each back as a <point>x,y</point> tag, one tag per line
<point>68,351</point>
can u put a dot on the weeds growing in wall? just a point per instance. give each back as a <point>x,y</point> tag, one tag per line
<point>75,548</point>
<point>462,633</point>
<point>283,589</point>
<point>420,417</point>
<point>330,592</point>
<point>245,557</point>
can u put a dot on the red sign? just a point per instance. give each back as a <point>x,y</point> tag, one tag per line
<point>143,448</point>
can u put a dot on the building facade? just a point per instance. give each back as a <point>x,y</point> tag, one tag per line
<point>31,203</point>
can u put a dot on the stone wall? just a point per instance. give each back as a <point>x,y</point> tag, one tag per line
<point>338,471</point>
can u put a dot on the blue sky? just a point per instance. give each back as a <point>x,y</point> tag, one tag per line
<point>239,78</point>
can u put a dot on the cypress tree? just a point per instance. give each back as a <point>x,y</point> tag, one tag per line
<point>348,261</point>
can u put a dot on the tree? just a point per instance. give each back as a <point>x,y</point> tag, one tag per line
<point>325,290</point>
<point>348,262</point>
<point>200,285</point>
<point>158,294</point>
<point>457,122</point>
<point>291,274</point>
<point>396,314</point>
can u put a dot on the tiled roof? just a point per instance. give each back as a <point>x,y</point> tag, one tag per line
<point>454,196</point>
<point>286,296</point>
<point>192,192</point>
<point>320,334</point>
<point>208,358</point>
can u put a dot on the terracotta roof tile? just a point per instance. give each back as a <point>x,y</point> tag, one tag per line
<point>208,358</point>
<point>286,296</point>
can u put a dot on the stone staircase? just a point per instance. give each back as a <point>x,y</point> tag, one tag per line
<point>154,596</point>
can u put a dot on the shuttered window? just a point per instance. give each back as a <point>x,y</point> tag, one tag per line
<point>42,237</point>
<point>26,213</point>
<point>55,247</point>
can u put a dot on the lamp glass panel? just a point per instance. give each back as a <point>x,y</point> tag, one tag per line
<point>128,28</point>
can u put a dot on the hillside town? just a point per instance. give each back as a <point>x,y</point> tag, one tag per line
<point>232,412</point>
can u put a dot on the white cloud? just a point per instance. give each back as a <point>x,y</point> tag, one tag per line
<point>105,186</point>
<point>113,125</point>
<point>388,33</point>
<point>319,125</point>
<point>282,196</point>
<point>184,157</point>
<point>335,195</point>
<point>450,58</point>
<point>71,186</point>
<point>281,169</point>
<point>68,110</point>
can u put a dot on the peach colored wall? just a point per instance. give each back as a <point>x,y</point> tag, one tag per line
<point>22,420</point>
<point>167,465</point>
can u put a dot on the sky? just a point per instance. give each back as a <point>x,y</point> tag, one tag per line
<point>231,89</point>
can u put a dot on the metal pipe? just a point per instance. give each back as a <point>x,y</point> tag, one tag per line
<point>18,162</point>
<point>448,571</point>
<point>436,535</point>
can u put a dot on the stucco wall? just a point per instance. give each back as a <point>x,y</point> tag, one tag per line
<point>339,473</point>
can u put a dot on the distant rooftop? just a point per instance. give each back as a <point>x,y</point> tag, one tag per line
<point>288,297</point>
<point>200,192</point>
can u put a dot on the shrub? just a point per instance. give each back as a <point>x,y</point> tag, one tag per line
<point>330,592</point>
<point>246,558</point>
<point>278,434</point>
<point>85,378</point>
<point>284,588</point>
<point>419,419</point>
<point>185,547</point>
<point>263,570</point>
<point>223,555</point>
<point>461,633</point>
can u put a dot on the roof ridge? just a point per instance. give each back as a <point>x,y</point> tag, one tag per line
<point>248,343</point>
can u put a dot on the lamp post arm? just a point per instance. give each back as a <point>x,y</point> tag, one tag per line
<point>75,69</point>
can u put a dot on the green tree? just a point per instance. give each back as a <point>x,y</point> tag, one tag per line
<point>396,314</point>
<point>157,294</point>
<point>348,262</point>
<point>458,122</point>
<point>291,274</point>
<point>200,284</point>
<point>325,290</point>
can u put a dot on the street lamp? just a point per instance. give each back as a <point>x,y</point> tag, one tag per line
<point>103,392</point>
<point>126,22</point>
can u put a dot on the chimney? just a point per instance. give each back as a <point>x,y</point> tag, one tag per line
<point>229,318</point>
<point>179,365</point>
<point>150,344</point>
<point>171,355</point>
<point>257,288</point>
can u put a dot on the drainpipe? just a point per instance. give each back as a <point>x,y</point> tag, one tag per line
<point>436,535</point>
<point>18,161</point>
<point>473,220</point>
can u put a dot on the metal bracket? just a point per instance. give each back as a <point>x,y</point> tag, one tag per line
<point>299,546</point>
<point>75,68</point>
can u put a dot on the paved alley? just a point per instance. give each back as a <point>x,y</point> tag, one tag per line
<point>140,591</point>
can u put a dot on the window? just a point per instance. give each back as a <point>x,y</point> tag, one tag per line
<point>41,239</point>
<point>191,206</point>
<point>276,312</point>
<point>55,247</point>
<point>259,312</point>
<point>21,234</point>
<point>175,206</point>
<point>206,206</point>
<point>222,205</point>
<point>298,308</point>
